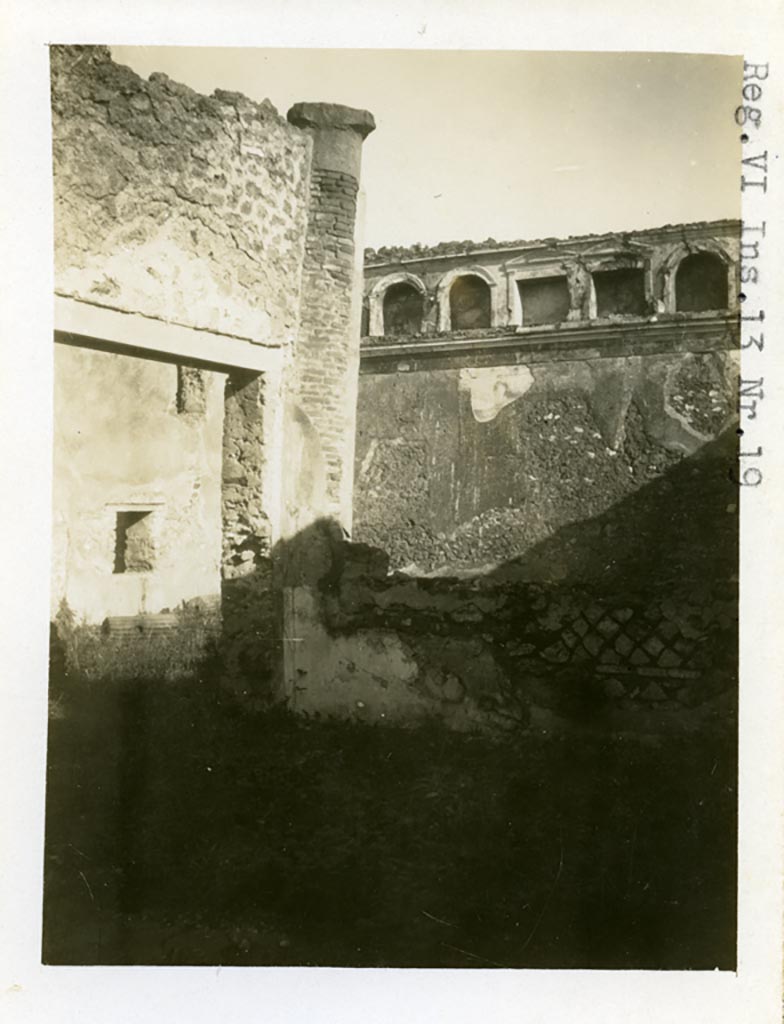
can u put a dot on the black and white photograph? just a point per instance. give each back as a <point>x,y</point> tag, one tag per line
<point>404,416</point>
<point>394,590</point>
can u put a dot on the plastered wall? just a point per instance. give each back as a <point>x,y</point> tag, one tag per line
<point>121,444</point>
<point>183,207</point>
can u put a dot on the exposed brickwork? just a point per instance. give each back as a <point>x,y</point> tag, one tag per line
<point>326,352</point>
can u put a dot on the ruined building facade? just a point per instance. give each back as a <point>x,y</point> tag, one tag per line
<point>509,390</point>
<point>546,446</point>
<point>529,444</point>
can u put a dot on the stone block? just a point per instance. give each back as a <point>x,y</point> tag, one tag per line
<point>614,688</point>
<point>609,657</point>
<point>669,659</point>
<point>592,644</point>
<point>580,626</point>
<point>668,630</point>
<point>622,614</point>
<point>607,627</point>
<point>569,638</point>
<point>517,649</point>
<point>653,693</point>
<point>557,653</point>
<point>653,646</point>
<point>593,612</point>
<point>623,645</point>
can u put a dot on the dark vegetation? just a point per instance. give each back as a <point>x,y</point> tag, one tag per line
<point>182,829</point>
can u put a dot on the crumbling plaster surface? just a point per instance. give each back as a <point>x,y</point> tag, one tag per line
<point>497,651</point>
<point>372,673</point>
<point>182,207</point>
<point>441,487</point>
<point>123,444</point>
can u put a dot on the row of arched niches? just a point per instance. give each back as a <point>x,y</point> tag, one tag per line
<point>445,294</point>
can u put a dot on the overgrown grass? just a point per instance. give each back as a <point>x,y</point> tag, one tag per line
<point>83,654</point>
<point>183,830</point>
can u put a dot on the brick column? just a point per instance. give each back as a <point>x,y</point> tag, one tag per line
<point>326,356</point>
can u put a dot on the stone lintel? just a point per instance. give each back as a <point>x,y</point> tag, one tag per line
<point>91,326</point>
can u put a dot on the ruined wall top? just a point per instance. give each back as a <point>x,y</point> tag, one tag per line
<point>393,254</point>
<point>182,207</point>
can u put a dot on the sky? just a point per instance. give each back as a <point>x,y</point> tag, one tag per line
<point>506,144</point>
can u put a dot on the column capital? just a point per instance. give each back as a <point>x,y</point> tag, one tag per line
<point>331,116</point>
<point>337,133</point>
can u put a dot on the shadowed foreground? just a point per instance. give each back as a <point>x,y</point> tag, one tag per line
<point>183,831</point>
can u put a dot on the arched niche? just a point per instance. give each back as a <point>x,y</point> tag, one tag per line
<point>399,311</point>
<point>701,283</point>
<point>403,309</point>
<point>467,300</point>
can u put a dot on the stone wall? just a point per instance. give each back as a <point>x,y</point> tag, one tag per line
<point>209,214</point>
<point>182,207</point>
<point>191,210</point>
<point>599,363</point>
<point>466,467</point>
<point>558,507</point>
<point>624,622</point>
<point>250,628</point>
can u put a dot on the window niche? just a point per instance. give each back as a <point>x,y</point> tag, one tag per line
<point>134,546</point>
<point>701,283</point>
<point>544,300</point>
<point>469,303</point>
<point>620,292</point>
<point>403,310</point>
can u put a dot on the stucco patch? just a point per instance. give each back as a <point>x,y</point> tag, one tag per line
<point>493,388</point>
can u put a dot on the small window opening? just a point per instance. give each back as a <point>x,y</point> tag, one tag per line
<point>134,549</point>
<point>403,309</point>
<point>544,300</point>
<point>469,303</point>
<point>701,283</point>
<point>620,292</point>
